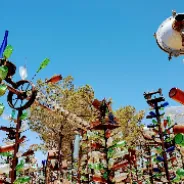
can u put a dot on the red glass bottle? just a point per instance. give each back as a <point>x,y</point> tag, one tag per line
<point>177,129</point>
<point>177,95</point>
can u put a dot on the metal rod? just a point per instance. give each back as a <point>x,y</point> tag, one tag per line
<point>17,137</point>
<point>150,165</point>
<point>60,155</point>
<point>162,140</point>
<point>106,150</point>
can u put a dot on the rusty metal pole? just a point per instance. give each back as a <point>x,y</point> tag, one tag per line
<point>150,165</point>
<point>162,140</point>
<point>16,149</point>
<point>59,153</point>
<point>88,148</point>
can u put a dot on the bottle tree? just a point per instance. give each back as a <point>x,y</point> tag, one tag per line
<point>122,160</point>
<point>163,153</point>
<point>21,95</point>
<point>178,130</point>
<point>100,158</point>
<point>147,147</point>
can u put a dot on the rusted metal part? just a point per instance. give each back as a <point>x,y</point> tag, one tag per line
<point>11,132</point>
<point>97,125</point>
<point>99,179</point>
<point>11,147</point>
<point>60,154</point>
<point>52,154</point>
<point>4,149</point>
<point>16,149</point>
<point>182,36</point>
<point>6,129</point>
<point>21,95</point>
<point>120,165</point>
<point>178,25</point>
<point>28,153</point>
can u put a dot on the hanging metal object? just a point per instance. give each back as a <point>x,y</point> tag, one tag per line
<point>170,35</point>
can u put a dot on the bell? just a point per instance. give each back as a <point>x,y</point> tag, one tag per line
<point>3,72</point>
<point>2,89</point>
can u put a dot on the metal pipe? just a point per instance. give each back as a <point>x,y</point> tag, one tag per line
<point>17,137</point>
<point>162,140</point>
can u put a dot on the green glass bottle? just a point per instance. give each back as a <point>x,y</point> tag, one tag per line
<point>3,89</point>
<point>3,72</point>
<point>2,107</point>
<point>8,52</point>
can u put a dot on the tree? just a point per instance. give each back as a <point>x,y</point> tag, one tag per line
<point>62,108</point>
<point>130,124</point>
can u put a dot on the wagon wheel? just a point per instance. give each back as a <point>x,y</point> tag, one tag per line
<point>25,96</point>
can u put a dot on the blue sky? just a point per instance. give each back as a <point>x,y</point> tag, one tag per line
<point>107,44</point>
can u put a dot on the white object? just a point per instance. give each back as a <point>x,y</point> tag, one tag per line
<point>168,39</point>
<point>5,168</point>
<point>23,72</point>
<point>120,177</point>
<point>19,154</point>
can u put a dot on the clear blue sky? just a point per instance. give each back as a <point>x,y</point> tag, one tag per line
<point>108,44</point>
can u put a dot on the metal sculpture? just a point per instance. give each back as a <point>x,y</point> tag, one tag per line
<point>105,122</point>
<point>19,98</point>
<point>170,35</point>
<point>21,95</point>
<point>162,137</point>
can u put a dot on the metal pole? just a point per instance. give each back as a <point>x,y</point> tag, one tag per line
<point>162,140</point>
<point>150,165</point>
<point>59,154</point>
<point>106,150</point>
<point>16,149</point>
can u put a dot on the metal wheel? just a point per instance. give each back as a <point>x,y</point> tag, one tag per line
<point>25,98</point>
